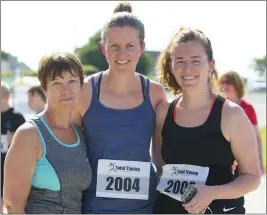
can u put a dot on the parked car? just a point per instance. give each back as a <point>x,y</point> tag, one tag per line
<point>258,86</point>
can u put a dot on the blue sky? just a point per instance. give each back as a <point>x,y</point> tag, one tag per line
<point>237,30</point>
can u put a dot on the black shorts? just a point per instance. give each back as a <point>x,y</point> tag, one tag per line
<point>3,157</point>
<point>168,205</point>
<point>227,206</point>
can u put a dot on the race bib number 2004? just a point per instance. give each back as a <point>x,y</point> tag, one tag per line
<point>123,179</point>
<point>176,178</point>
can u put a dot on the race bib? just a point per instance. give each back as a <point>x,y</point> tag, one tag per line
<point>177,177</point>
<point>4,143</point>
<point>123,179</point>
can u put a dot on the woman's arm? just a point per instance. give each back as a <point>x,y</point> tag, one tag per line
<point>238,130</point>
<point>19,167</point>
<point>237,127</point>
<point>85,102</point>
<point>161,112</point>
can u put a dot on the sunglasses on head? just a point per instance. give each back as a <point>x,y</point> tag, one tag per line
<point>227,82</point>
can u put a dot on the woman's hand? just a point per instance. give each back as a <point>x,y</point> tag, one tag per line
<point>234,166</point>
<point>204,196</point>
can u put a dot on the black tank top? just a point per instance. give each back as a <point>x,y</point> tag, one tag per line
<point>203,145</point>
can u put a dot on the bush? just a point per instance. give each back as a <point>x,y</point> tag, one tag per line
<point>7,75</point>
<point>29,73</point>
<point>90,69</point>
<point>91,54</point>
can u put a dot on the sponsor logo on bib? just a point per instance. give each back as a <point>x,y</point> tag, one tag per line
<point>116,168</point>
<point>177,171</point>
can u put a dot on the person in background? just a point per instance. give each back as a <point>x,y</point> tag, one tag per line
<point>232,84</point>
<point>47,167</point>
<point>36,99</point>
<point>200,134</point>
<point>10,121</point>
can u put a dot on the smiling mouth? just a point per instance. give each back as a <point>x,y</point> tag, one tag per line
<point>66,99</point>
<point>122,62</point>
<point>192,77</point>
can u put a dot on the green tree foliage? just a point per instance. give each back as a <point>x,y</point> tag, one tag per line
<point>4,55</point>
<point>259,65</point>
<point>91,54</point>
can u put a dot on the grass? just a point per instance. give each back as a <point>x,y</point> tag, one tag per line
<point>263,137</point>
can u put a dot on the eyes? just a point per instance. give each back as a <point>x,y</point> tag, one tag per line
<point>130,45</point>
<point>56,83</point>
<point>116,47</point>
<point>182,62</point>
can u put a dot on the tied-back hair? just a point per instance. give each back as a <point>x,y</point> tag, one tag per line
<point>184,35</point>
<point>122,16</point>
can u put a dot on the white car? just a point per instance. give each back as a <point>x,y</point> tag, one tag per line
<point>258,85</point>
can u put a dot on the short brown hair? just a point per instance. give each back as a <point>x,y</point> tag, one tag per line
<point>234,79</point>
<point>52,65</point>
<point>37,89</point>
<point>183,35</point>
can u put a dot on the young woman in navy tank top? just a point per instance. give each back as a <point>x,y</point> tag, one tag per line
<point>117,114</point>
<point>202,134</point>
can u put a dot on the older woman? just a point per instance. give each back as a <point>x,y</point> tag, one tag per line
<point>233,86</point>
<point>47,168</point>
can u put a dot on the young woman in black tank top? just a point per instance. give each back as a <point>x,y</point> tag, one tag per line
<point>202,134</point>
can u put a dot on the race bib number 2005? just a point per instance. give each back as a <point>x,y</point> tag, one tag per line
<point>123,179</point>
<point>176,178</point>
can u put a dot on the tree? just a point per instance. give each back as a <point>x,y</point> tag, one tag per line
<point>259,65</point>
<point>4,55</point>
<point>91,54</point>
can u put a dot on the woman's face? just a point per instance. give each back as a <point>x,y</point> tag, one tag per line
<point>34,100</point>
<point>190,65</point>
<point>229,90</point>
<point>122,48</point>
<point>64,92</point>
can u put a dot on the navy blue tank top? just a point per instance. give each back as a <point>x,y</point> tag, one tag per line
<point>119,134</point>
